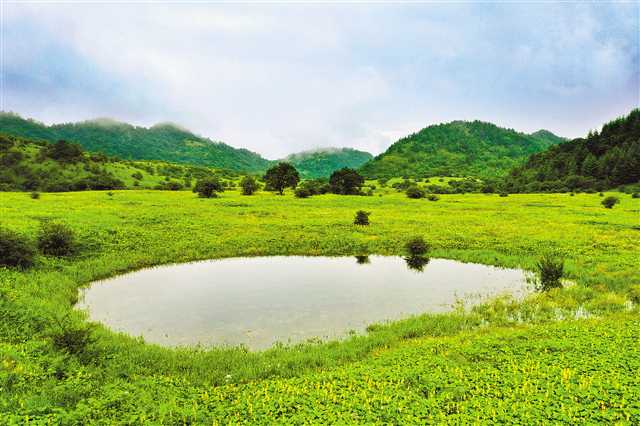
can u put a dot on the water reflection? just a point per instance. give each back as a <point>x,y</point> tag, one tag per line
<point>262,300</point>
<point>417,263</point>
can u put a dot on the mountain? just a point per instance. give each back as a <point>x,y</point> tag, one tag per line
<point>37,165</point>
<point>323,162</point>
<point>604,159</point>
<point>458,148</point>
<point>166,142</point>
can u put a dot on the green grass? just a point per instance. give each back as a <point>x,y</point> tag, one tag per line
<point>464,365</point>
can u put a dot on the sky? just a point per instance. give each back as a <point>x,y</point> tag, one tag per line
<point>279,78</point>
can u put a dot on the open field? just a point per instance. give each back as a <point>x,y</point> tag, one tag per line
<point>415,370</point>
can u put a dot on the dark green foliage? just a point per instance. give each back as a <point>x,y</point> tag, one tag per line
<point>362,259</point>
<point>504,194</point>
<point>248,185</point>
<point>635,195</point>
<point>346,182</point>
<point>416,263</point>
<point>417,246</point>
<point>164,142</point>
<point>321,163</point>
<point>302,192</point>
<point>63,152</point>
<point>602,160</point>
<point>35,195</point>
<point>137,176</point>
<point>56,239</point>
<point>316,186</point>
<point>170,185</point>
<point>458,148</point>
<point>281,176</point>
<point>432,197</point>
<point>15,250</point>
<point>610,201</point>
<point>72,338</point>
<point>415,192</point>
<point>208,187</point>
<point>550,270</point>
<point>362,218</point>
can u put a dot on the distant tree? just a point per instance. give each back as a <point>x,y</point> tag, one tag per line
<point>64,152</point>
<point>208,187</point>
<point>248,185</point>
<point>346,181</point>
<point>302,192</point>
<point>281,176</point>
<point>362,218</point>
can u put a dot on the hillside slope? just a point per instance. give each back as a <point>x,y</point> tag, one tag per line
<point>165,142</point>
<point>323,162</point>
<point>28,165</point>
<point>459,148</point>
<point>602,160</point>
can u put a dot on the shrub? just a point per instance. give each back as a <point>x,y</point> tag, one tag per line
<point>302,192</point>
<point>281,176</point>
<point>572,194</point>
<point>137,176</point>
<point>248,185</point>
<point>504,194</point>
<point>600,194</point>
<point>208,187</point>
<point>346,181</point>
<point>56,239</point>
<point>414,192</point>
<point>432,197</point>
<point>362,218</point>
<point>417,246</point>
<point>72,338</point>
<point>550,270</point>
<point>610,201</point>
<point>416,263</point>
<point>635,195</point>
<point>15,250</point>
<point>35,195</point>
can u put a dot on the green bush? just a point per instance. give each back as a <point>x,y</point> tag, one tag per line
<point>432,197</point>
<point>208,187</point>
<point>610,201</point>
<point>302,192</point>
<point>72,338</point>
<point>362,218</point>
<point>417,246</point>
<point>248,185</point>
<point>56,239</point>
<point>414,192</point>
<point>35,195</point>
<point>504,194</point>
<point>550,270</point>
<point>635,195</point>
<point>15,250</point>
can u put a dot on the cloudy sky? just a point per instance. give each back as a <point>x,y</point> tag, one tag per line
<point>278,78</point>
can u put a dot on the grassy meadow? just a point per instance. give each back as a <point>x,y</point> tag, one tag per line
<point>565,355</point>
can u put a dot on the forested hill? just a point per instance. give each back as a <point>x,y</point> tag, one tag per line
<point>604,159</point>
<point>166,142</point>
<point>323,162</point>
<point>459,148</point>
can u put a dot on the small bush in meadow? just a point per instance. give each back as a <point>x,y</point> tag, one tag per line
<point>635,195</point>
<point>417,246</point>
<point>572,194</point>
<point>362,218</point>
<point>610,201</point>
<point>550,271</point>
<point>504,194</point>
<point>432,197</point>
<point>248,185</point>
<point>600,194</point>
<point>35,195</point>
<point>72,338</point>
<point>15,250</point>
<point>302,192</point>
<point>56,239</point>
<point>208,187</point>
<point>414,192</point>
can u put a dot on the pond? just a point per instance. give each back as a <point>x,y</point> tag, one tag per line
<point>258,301</point>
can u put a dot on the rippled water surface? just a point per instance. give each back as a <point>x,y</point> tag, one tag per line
<point>262,300</point>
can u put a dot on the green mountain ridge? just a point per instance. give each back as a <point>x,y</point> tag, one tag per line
<point>459,148</point>
<point>163,141</point>
<point>324,161</point>
<point>604,159</point>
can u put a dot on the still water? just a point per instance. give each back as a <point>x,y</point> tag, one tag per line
<point>262,300</point>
